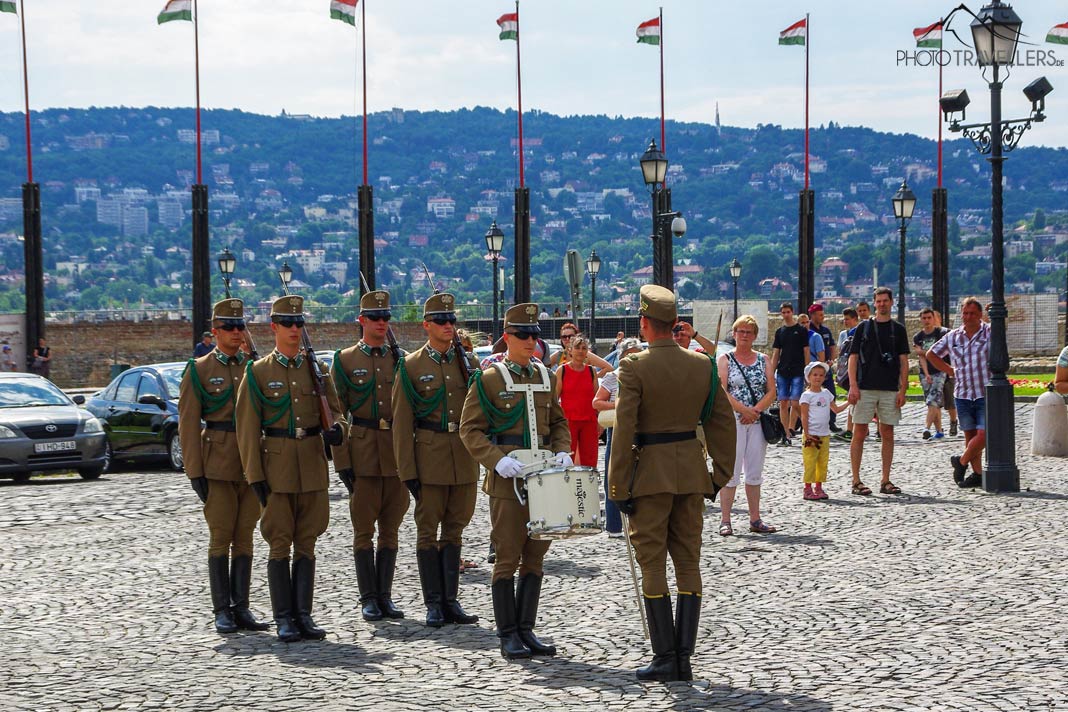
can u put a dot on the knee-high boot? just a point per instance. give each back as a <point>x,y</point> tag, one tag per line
<point>367,581</point>
<point>281,587</point>
<point>430,577</point>
<point>687,614</point>
<point>512,647</point>
<point>240,582</point>
<point>385,565</point>
<point>450,576</point>
<point>528,594</point>
<point>665,664</point>
<point>219,580</point>
<point>303,593</point>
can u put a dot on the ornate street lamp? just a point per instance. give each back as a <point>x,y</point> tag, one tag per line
<point>736,272</point>
<point>904,204</point>
<point>654,166</point>
<point>593,266</point>
<point>285,274</point>
<point>494,243</point>
<point>227,264</point>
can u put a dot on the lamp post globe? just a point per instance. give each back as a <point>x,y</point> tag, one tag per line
<point>654,165</point>
<point>904,202</point>
<point>736,273</point>
<point>227,264</point>
<point>995,32</point>
<point>285,273</point>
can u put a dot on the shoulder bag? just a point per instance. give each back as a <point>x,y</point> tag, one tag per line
<point>769,425</point>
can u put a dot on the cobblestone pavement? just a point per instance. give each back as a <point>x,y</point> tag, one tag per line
<point>939,599</point>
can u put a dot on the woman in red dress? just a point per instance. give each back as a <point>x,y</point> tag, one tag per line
<point>576,384</point>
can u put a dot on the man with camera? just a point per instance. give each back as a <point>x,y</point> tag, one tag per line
<point>878,379</point>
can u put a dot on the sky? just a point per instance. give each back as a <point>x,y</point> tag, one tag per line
<point>579,57</point>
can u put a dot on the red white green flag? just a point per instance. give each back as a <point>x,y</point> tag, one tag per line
<point>649,31</point>
<point>6,6</point>
<point>794,34</point>
<point>344,10</point>
<point>930,36</point>
<point>509,25</point>
<point>176,10</point>
<point>1059,34</point>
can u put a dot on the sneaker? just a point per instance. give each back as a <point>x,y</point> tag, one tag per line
<point>926,434</point>
<point>845,435</point>
<point>939,435</point>
<point>615,535</point>
<point>971,481</point>
<point>952,428</point>
<point>958,469</point>
<point>835,428</point>
<point>785,442</point>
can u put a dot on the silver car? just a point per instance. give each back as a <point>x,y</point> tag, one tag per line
<point>41,429</point>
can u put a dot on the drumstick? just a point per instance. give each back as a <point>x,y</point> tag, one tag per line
<point>634,575</point>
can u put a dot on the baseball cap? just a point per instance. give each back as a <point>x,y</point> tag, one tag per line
<point>815,308</point>
<point>6,347</point>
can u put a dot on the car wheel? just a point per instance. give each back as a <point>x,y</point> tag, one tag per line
<point>21,477</point>
<point>174,451</point>
<point>91,473</point>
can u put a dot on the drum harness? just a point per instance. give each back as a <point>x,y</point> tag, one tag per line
<point>534,458</point>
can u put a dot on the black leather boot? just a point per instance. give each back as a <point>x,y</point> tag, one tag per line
<point>219,579</point>
<point>687,613</point>
<point>303,592</point>
<point>385,565</point>
<point>665,664</point>
<point>512,647</point>
<point>240,582</point>
<point>527,594</point>
<point>430,577</point>
<point>368,584</point>
<point>281,587</point>
<point>450,576</point>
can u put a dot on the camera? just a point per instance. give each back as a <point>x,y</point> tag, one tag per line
<point>888,359</point>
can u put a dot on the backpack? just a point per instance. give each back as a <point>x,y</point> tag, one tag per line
<point>841,364</point>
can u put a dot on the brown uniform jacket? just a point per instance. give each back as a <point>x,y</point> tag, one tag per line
<point>363,377</point>
<point>663,390</point>
<point>434,458</point>
<point>208,392</point>
<point>475,425</point>
<point>288,465</point>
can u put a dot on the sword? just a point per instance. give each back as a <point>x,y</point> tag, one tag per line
<point>634,575</point>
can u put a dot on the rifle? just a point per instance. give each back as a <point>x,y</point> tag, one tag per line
<point>326,418</point>
<point>456,343</point>
<point>248,332</point>
<point>394,348</point>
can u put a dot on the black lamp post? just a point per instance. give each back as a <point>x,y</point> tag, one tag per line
<point>904,204</point>
<point>995,31</point>
<point>494,243</point>
<point>227,264</point>
<point>665,222</point>
<point>285,274</point>
<point>736,272</point>
<point>593,266</point>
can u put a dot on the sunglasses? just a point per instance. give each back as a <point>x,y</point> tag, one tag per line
<point>677,330</point>
<point>231,326</point>
<point>288,322</point>
<point>442,320</point>
<point>565,336</point>
<point>522,335</point>
<point>378,317</point>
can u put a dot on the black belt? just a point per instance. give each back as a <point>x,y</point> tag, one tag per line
<point>380,424</point>
<point>516,440</point>
<point>297,434</point>
<point>436,426</point>
<point>224,425</point>
<point>643,439</point>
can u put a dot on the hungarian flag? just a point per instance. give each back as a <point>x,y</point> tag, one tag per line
<point>344,10</point>
<point>509,25</point>
<point>1058,35</point>
<point>794,34</point>
<point>6,6</point>
<point>176,10</point>
<point>930,36</point>
<point>649,31</point>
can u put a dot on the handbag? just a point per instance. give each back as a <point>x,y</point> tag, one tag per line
<point>770,426</point>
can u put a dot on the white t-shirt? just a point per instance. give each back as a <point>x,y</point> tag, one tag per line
<point>819,411</point>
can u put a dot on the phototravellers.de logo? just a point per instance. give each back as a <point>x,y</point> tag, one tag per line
<point>933,57</point>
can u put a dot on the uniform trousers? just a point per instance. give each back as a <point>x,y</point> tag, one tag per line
<point>377,499</point>
<point>449,507</point>
<point>665,524</point>
<point>231,513</point>
<point>294,520</point>
<point>515,549</point>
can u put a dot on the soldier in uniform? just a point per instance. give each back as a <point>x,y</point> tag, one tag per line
<point>363,375</point>
<point>428,395</point>
<point>208,393</point>
<point>658,474</point>
<point>280,436</point>
<point>494,424</point>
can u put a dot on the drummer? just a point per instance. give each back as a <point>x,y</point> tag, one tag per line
<point>493,424</point>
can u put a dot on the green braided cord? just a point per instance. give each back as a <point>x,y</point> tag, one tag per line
<point>209,403</point>
<point>422,407</point>
<point>502,420</point>
<point>363,392</point>
<point>259,400</point>
<point>706,411</point>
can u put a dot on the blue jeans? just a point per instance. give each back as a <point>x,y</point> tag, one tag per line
<point>613,520</point>
<point>789,388</point>
<point>971,414</point>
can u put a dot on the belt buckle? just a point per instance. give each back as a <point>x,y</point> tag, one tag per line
<point>453,428</point>
<point>300,433</point>
<point>383,424</point>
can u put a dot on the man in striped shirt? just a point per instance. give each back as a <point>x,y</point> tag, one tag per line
<point>969,347</point>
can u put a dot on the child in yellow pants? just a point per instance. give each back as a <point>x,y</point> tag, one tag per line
<point>816,405</point>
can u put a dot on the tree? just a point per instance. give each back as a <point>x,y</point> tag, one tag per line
<point>1039,221</point>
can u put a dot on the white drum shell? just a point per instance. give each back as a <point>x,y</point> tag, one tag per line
<point>564,502</point>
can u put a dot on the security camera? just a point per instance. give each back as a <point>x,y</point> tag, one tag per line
<point>678,226</point>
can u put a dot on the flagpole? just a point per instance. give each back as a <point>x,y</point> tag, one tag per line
<point>196,61</point>
<point>938,106</point>
<point>663,147</point>
<point>363,33</point>
<point>808,38</point>
<point>519,84</point>
<point>26,90</point>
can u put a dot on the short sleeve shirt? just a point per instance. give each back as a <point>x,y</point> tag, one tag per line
<point>878,344</point>
<point>1062,360</point>
<point>815,345</point>
<point>610,382</point>
<point>819,411</point>
<point>791,340</point>
<point>925,341</point>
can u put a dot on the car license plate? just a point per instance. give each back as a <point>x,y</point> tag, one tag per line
<point>55,447</point>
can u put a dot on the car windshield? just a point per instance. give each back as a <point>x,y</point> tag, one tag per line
<point>29,393</point>
<point>172,377</point>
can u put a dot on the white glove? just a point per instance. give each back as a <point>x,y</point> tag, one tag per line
<point>509,467</point>
<point>563,459</point>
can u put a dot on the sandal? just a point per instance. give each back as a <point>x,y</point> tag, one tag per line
<point>861,489</point>
<point>889,487</point>
<point>725,529</point>
<point>759,527</point>
<point>466,564</point>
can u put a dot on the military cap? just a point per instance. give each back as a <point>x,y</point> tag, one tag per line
<point>522,318</point>
<point>442,304</point>
<point>377,300</point>
<point>228,309</point>
<point>292,305</point>
<point>657,302</point>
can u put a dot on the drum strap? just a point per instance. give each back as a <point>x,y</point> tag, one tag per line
<point>528,390</point>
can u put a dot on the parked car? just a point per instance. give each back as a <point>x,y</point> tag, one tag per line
<point>41,429</point>
<point>139,410</point>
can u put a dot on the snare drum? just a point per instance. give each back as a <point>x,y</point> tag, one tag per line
<point>564,502</point>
